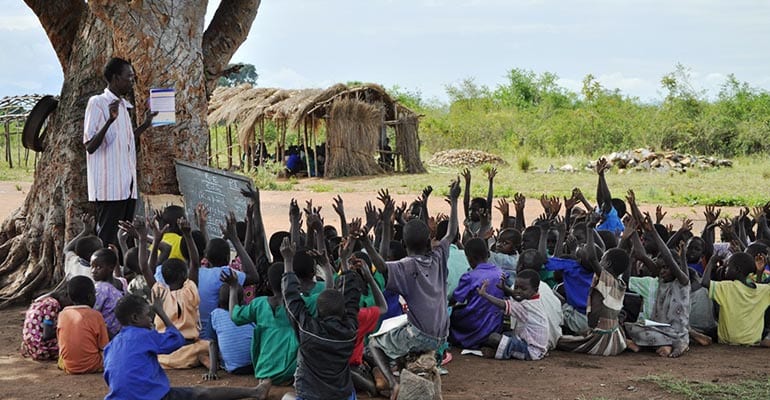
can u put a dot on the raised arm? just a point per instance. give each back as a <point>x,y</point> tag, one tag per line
<point>295,219</point>
<point>466,174</point>
<point>519,202</point>
<point>230,233</point>
<point>593,260</point>
<point>424,214</point>
<point>603,195</point>
<point>89,222</point>
<point>454,194</point>
<point>379,298</point>
<point>663,251</point>
<point>499,303</point>
<point>194,260</point>
<point>339,208</point>
<point>490,191</point>
<point>386,222</point>
<point>258,229</point>
<point>202,220</point>
<point>706,279</point>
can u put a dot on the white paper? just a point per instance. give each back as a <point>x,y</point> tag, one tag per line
<point>649,322</point>
<point>390,324</point>
<point>163,101</point>
<point>472,352</point>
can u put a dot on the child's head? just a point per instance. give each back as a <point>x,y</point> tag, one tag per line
<point>620,206</point>
<point>476,251</point>
<point>508,241</point>
<point>275,244</point>
<point>224,296</point>
<point>396,251</point>
<point>200,244</point>
<point>174,272</point>
<point>609,239</point>
<point>578,231</point>
<point>61,295</point>
<point>474,209</point>
<point>86,246</point>
<point>304,265</point>
<point>103,263</point>
<point>530,238</point>
<point>330,232</point>
<point>133,310</point>
<point>664,270</point>
<point>615,261</point>
<point>527,285</point>
<point>81,291</point>
<point>530,259</point>
<point>739,266</point>
<point>240,229</point>
<point>274,276</point>
<point>416,236</point>
<point>330,303</point>
<point>757,248</point>
<point>131,260</point>
<point>696,248</point>
<point>218,252</point>
<point>441,229</point>
<point>171,215</point>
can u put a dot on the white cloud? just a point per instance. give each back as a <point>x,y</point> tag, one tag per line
<point>19,23</point>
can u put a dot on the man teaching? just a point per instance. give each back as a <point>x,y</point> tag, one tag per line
<point>110,143</point>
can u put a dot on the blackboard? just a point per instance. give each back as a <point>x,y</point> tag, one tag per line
<point>218,190</point>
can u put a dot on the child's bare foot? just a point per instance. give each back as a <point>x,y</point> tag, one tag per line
<point>488,352</point>
<point>263,389</point>
<point>765,342</point>
<point>679,350</point>
<point>700,338</point>
<point>664,351</point>
<point>379,380</point>
<point>632,346</point>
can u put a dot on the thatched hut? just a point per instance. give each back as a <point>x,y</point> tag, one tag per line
<point>355,121</point>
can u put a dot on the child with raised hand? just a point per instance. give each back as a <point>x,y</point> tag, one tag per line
<point>229,339</point>
<point>605,300</point>
<point>38,335</point>
<point>472,208</point>
<point>326,341</point>
<point>109,289</point>
<point>131,367</point>
<point>80,331</point>
<point>473,319</point>
<point>274,344</point>
<point>180,298</point>
<point>742,303</point>
<point>672,305</point>
<point>529,339</point>
<point>421,278</point>
<point>77,253</point>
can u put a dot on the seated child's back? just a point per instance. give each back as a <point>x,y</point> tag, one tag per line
<point>81,331</point>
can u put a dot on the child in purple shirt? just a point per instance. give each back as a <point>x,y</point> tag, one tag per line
<point>475,318</point>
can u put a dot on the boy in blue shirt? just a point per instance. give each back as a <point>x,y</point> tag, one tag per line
<point>131,368</point>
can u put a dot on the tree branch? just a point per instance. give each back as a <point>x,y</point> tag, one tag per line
<point>60,20</point>
<point>226,32</point>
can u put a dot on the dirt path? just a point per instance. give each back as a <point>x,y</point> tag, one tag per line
<point>560,376</point>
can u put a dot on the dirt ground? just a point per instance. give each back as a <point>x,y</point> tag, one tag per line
<point>560,376</point>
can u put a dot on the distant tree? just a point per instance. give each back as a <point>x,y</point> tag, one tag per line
<point>236,74</point>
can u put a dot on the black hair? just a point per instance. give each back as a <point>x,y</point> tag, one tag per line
<point>106,257</point>
<point>224,295</point>
<point>218,252</point>
<point>530,259</point>
<point>171,215</point>
<point>114,67</point>
<point>129,305</point>
<point>81,290</point>
<point>330,303</point>
<point>618,259</point>
<point>530,233</point>
<point>441,229</point>
<point>743,262</point>
<point>512,234</point>
<point>531,276</point>
<point>416,236</point>
<point>396,250</point>
<point>365,257</point>
<point>274,276</point>
<point>662,232</point>
<point>480,202</point>
<point>476,249</point>
<point>86,246</point>
<point>609,239</point>
<point>200,244</point>
<point>174,271</point>
<point>398,232</point>
<point>275,244</point>
<point>304,264</point>
<point>330,232</point>
<point>131,260</point>
<point>757,248</point>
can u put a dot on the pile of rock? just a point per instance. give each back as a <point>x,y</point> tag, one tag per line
<point>646,160</point>
<point>463,158</point>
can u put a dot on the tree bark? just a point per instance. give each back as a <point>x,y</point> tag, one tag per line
<point>163,40</point>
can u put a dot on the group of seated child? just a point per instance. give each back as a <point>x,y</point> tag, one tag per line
<point>302,308</point>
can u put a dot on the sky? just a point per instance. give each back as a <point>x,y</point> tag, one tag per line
<point>424,45</point>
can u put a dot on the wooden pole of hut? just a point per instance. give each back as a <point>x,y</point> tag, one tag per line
<point>307,154</point>
<point>216,147</point>
<point>261,139</point>
<point>314,143</point>
<point>8,152</point>
<point>229,144</point>
<point>208,157</point>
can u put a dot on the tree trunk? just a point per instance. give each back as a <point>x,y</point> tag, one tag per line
<point>164,41</point>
